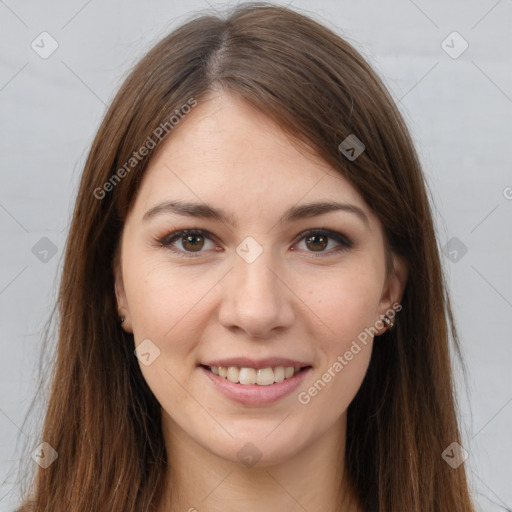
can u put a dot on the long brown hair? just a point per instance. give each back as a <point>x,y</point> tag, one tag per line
<point>102,418</point>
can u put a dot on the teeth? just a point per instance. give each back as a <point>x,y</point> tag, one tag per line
<point>233,374</point>
<point>247,376</point>
<point>265,377</point>
<point>260,376</point>
<point>279,374</point>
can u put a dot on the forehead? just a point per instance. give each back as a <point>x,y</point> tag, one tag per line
<point>227,153</point>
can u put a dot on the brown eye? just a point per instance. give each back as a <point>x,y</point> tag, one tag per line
<point>317,242</point>
<point>188,242</point>
<point>324,242</point>
<point>192,242</point>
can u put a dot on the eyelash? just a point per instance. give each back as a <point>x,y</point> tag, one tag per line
<point>167,241</point>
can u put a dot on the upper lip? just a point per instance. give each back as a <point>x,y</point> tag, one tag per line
<point>246,362</point>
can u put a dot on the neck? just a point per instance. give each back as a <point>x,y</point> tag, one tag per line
<point>312,479</point>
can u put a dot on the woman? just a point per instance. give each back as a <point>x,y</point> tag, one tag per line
<point>252,308</point>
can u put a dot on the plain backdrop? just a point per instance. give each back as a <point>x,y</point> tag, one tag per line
<point>455,91</point>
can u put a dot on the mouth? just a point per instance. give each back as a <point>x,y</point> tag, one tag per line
<point>248,375</point>
<point>255,383</point>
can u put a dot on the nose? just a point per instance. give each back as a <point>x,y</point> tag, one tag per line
<point>256,299</point>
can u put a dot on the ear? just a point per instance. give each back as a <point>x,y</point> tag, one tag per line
<point>393,290</point>
<point>122,302</point>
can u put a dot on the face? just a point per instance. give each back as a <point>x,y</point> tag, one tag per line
<point>251,326</point>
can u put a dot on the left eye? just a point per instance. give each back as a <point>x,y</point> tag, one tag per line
<point>192,241</point>
<point>318,240</point>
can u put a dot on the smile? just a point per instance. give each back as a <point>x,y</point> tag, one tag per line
<point>255,383</point>
<point>259,376</point>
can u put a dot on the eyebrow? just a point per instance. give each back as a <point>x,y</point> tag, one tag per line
<point>295,213</point>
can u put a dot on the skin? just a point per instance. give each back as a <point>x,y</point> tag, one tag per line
<point>295,300</point>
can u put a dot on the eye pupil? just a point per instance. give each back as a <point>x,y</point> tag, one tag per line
<point>189,239</point>
<point>323,243</point>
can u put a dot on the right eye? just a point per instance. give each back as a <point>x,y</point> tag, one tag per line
<point>191,241</point>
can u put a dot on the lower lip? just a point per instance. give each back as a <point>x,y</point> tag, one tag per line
<point>253,394</point>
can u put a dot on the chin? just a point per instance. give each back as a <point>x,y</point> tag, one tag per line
<point>258,450</point>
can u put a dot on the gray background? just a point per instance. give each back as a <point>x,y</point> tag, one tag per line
<point>459,112</point>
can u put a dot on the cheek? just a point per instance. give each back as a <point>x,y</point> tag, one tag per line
<point>167,307</point>
<point>326,398</point>
<point>165,300</point>
<point>347,304</point>
<point>346,301</point>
